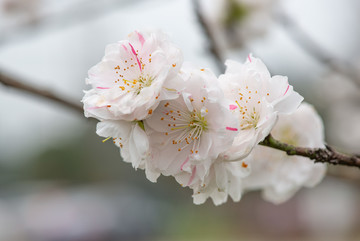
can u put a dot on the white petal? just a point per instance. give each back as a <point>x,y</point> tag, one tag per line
<point>221,176</point>
<point>151,175</point>
<point>289,103</point>
<point>114,129</point>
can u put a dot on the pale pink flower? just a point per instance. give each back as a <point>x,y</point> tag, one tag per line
<point>132,78</point>
<point>188,133</point>
<point>258,99</point>
<point>278,175</point>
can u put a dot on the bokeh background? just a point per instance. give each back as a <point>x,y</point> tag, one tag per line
<point>59,182</point>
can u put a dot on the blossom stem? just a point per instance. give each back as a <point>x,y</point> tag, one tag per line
<point>11,82</point>
<point>324,155</point>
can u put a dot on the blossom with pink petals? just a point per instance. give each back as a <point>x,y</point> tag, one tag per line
<point>189,132</point>
<point>133,77</point>
<point>258,99</point>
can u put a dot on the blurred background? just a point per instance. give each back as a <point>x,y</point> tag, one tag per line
<point>59,182</point>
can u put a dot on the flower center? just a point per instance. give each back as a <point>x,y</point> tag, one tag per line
<point>186,126</point>
<point>135,85</point>
<point>142,82</point>
<point>197,124</point>
<point>249,119</point>
<point>190,131</point>
<point>249,104</point>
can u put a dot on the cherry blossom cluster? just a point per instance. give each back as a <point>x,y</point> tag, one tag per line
<point>177,119</point>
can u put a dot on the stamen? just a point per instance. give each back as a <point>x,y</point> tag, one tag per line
<point>106,139</point>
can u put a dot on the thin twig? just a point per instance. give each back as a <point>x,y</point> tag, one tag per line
<point>214,48</point>
<point>324,155</point>
<point>11,82</point>
<point>315,50</point>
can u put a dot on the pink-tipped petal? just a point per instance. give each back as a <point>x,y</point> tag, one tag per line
<point>192,176</point>
<point>232,107</point>
<point>231,128</point>
<point>123,45</point>
<point>141,38</point>
<point>137,59</point>
<point>249,58</point>
<point>182,165</point>
<point>287,89</point>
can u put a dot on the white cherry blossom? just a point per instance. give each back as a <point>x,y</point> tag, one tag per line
<point>188,133</point>
<point>132,78</point>
<point>132,141</point>
<point>278,175</point>
<point>258,99</point>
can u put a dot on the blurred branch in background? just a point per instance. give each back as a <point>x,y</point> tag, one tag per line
<point>213,47</point>
<point>315,50</point>
<point>12,82</point>
<point>21,19</point>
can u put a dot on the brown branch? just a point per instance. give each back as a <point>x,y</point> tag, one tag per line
<point>214,49</point>
<point>324,155</point>
<point>11,82</point>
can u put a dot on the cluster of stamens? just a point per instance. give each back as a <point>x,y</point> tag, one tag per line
<point>133,85</point>
<point>249,105</point>
<point>115,140</point>
<point>186,125</point>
